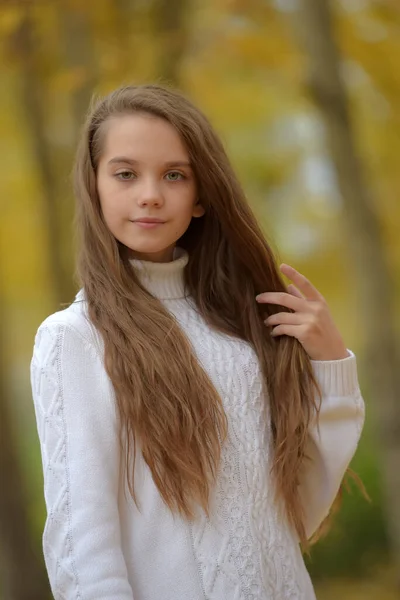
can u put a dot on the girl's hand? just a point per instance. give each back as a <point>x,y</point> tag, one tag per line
<point>311,323</point>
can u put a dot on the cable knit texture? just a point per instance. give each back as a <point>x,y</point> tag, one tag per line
<point>99,546</point>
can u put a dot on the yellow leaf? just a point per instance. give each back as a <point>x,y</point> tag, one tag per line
<point>10,18</point>
<point>68,80</point>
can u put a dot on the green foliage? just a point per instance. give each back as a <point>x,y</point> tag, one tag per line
<point>357,542</point>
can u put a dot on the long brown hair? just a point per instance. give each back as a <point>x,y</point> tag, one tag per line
<point>166,402</point>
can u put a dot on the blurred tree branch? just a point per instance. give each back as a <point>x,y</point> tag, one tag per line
<point>313,24</point>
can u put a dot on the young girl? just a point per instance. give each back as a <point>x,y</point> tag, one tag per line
<point>196,417</point>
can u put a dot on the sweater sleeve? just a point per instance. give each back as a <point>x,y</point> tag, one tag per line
<point>333,437</point>
<point>76,423</point>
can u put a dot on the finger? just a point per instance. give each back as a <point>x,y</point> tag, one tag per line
<point>304,285</point>
<point>285,329</point>
<point>285,318</point>
<point>294,291</point>
<point>283,299</point>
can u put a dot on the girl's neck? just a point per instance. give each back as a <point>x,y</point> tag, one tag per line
<point>163,280</point>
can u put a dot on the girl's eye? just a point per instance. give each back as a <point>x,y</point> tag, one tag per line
<point>175,176</point>
<point>125,175</point>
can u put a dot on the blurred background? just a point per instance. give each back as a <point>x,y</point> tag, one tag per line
<point>306,96</point>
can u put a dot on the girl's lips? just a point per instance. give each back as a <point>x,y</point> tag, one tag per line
<point>147,225</point>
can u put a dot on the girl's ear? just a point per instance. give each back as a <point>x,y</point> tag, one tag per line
<point>198,209</point>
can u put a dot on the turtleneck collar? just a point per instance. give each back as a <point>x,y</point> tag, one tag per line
<point>163,280</point>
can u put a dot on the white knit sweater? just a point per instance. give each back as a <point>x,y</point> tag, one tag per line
<point>98,546</point>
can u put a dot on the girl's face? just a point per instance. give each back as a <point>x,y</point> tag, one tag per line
<point>144,174</point>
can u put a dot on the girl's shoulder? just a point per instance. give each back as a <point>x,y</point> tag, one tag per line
<point>73,320</point>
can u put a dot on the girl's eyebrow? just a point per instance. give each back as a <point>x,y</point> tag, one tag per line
<point>133,162</point>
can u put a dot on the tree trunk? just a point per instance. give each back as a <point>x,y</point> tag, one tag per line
<point>78,58</point>
<point>78,55</point>
<point>22,572</point>
<point>170,20</point>
<point>365,245</point>
<point>32,99</point>
<point>123,20</point>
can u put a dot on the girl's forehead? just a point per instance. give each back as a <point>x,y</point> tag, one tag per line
<point>141,136</point>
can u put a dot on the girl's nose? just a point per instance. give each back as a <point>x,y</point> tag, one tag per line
<point>149,194</point>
